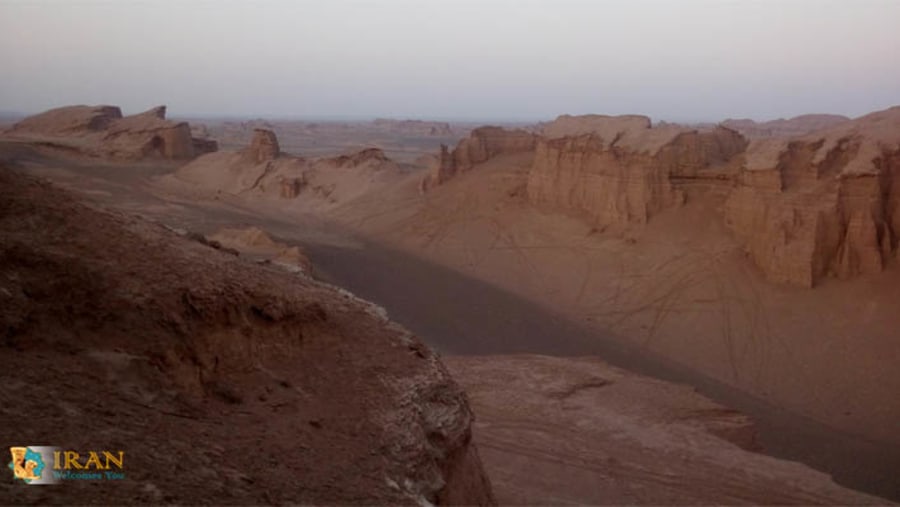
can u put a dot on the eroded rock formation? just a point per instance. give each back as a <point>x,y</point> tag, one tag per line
<point>482,144</point>
<point>617,170</point>
<point>826,203</point>
<point>263,147</point>
<point>262,170</point>
<point>372,156</point>
<point>103,131</point>
<point>823,204</point>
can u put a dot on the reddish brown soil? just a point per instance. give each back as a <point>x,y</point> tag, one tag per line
<point>222,381</point>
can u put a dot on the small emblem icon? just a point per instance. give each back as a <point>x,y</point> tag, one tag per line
<point>27,465</point>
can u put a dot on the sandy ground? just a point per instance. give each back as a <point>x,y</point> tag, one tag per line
<point>484,236</point>
<point>556,431</point>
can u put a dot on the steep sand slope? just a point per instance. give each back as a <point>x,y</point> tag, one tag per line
<point>556,431</point>
<point>222,381</point>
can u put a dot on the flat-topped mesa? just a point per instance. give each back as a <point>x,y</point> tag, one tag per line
<point>263,147</point>
<point>620,169</point>
<point>483,144</point>
<point>825,204</point>
<point>103,131</point>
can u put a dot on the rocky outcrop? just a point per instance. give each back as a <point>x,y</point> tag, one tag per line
<point>257,244</point>
<point>824,204</point>
<point>263,147</point>
<point>102,131</point>
<point>372,156</point>
<point>817,205</point>
<point>262,171</point>
<point>483,144</point>
<point>617,170</point>
<point>272,387</point>
<point>793,127</point>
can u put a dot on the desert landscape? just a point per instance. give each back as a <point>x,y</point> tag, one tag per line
<point>529,258</point>
<point>397,253</point>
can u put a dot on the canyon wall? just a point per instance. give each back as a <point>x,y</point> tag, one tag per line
<point>824,204</point>
<point>483,144</point>
<point>617,170</point>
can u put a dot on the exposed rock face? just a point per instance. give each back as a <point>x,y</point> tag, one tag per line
<point>364,156</point>
<point>263,146</point>
<point>197,360</point>
<point>619,170</point>
<point>793,127</point>
<point>822,204</point>
<point>103,131</point>
<point>482,144</point>
<point>150,134</point>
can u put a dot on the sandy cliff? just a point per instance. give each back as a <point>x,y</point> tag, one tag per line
<point>823,204</point>
<point>102,131</point>
<point>223,381</point>
<point>483,144</point>
<point>619,170</point>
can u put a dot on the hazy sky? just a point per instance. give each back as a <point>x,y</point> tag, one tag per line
<point>677,60</point>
